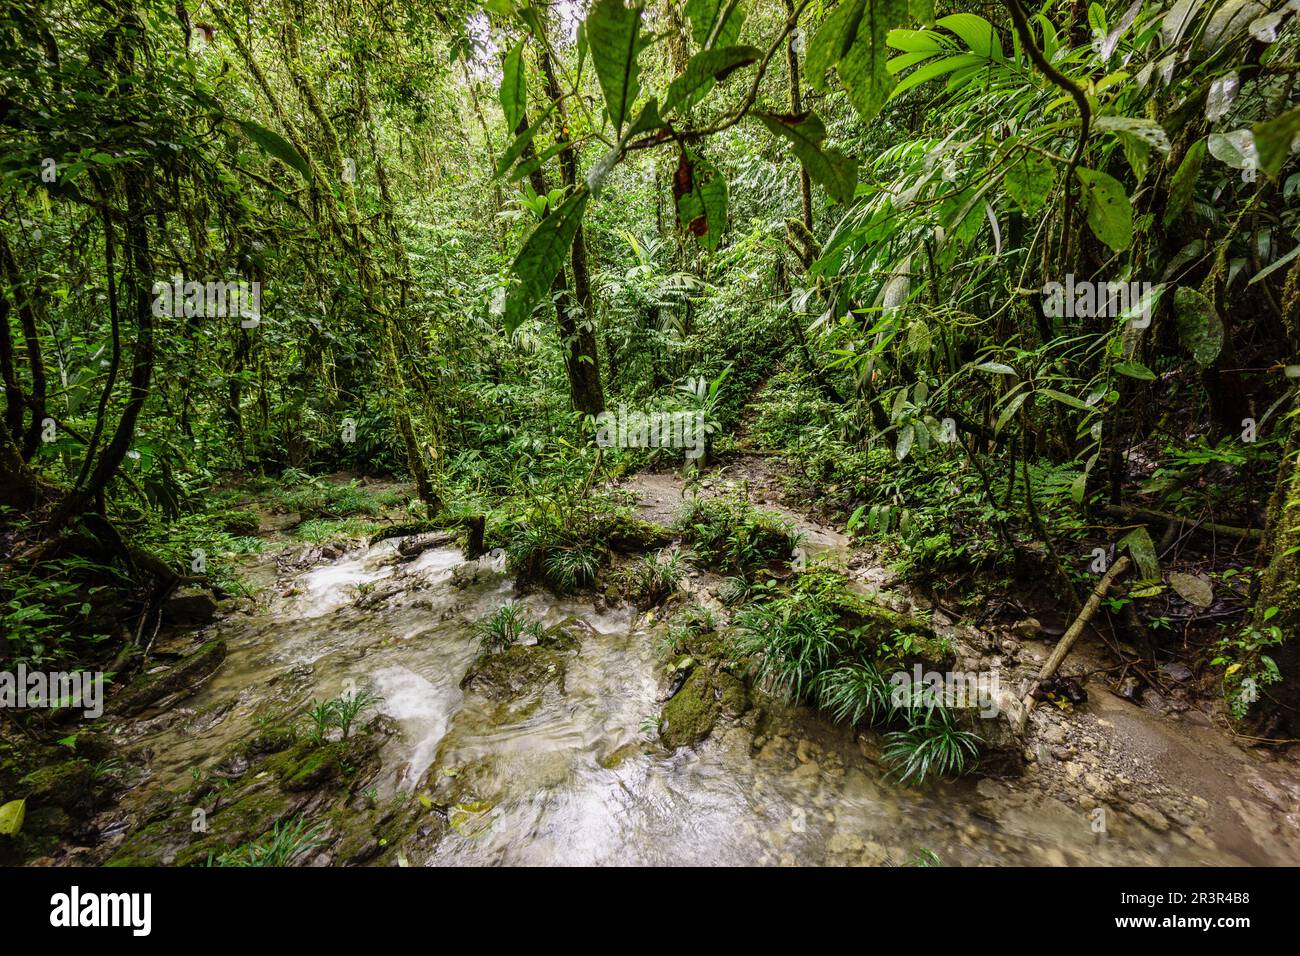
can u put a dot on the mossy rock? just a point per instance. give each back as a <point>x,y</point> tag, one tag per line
<point>517,671</point>
<point>68,785</point>
<point>271,740</point>
<point>185,676</point>
<point>689,717</point>
<point>631,535</point>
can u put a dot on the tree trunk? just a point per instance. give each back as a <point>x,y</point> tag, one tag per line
<point>578,318</point>
<point>1280,583</point>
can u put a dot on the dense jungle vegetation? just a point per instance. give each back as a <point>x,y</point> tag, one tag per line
<point>881,240</point>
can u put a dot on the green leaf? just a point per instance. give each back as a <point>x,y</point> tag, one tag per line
<point>276,145</point>
<point>11,817</point>
<point>997,368</point>
<point>904,445</point>
<point>1065,399</point>
<point>1143,551</point>
<point>1273,140</point>
<point>1029,182</point>
<point>936,69</point>
<point>833,170</point>
<point>1110,214</point>
<point>832,40</point>
<point>1183,184</point>
<point>1136,370</point>
<point>517,148</point>
<point>922,11</point>
<point>976,32</point>
<point>702,71</point>
<point>541,258</point>
<point>864,68</point>
<point>1199,325</point>
<point>614,33</point>
<point>704,15</point>
<point>514,87</point>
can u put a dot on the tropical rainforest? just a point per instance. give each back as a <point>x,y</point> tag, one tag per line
<point>426,420</point>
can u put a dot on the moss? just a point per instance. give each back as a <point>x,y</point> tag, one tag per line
<point>271,740</point>
<point>308,767</point>
<point>517,671</point>
<point>733,698</point>
<point>630,535</point>
<point>191,671</point>
<point>68,785</point>
<point>689,717</point>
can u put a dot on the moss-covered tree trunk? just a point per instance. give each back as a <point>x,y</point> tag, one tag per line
<point>1280,584</point>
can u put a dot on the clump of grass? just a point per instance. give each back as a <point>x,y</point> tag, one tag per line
<point>933,744</point>
<point>729,533</point>
<point>653,578</point>
<point>340,712</point>
<point>815,641</point>
<point>320,530</point>
<point>504,626</point>
<point>287,843</point>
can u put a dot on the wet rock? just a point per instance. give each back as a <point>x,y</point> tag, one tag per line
<point>518,670</point>
<point>182,678</point>
<point>1130,689</point>
<point>1027,629</point>
<point>189,609</point>
<point>1150,816</point>
<point>414,546</point>
<point>689,717</point>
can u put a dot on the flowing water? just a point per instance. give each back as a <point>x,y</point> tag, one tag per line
<point>577,779</point>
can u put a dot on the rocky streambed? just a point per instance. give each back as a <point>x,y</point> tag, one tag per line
<point>586,742</point>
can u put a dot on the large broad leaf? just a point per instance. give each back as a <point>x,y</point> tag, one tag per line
<point>1143,551</point>
<point>514,86</point>
<point>1199,325</point>
<point>1274,139</point>
<point>541,258</point>
<point>864,70</point>
<point>614,34</point>
<point>1110,214</point>
<point>832,40</point>
<point>1029,181</point>
<point>11,817</point>
<point>833,170</point>
<point>702,71</point>
<point>704,16</point>
<point>1183,185</point>
<point>701,195</point>
<point>977,33</point>
<point>1194,589</point>
<point>275,144</point>
<point>853,39</point>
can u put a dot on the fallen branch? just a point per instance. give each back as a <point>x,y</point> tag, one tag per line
<point>1129,513</point>
<point>1072,635</point>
